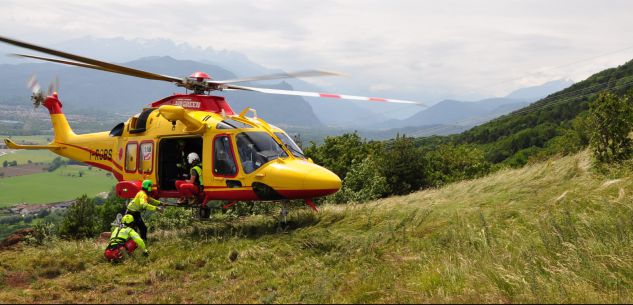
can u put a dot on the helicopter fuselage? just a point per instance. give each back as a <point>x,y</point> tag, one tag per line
<point>242,157</point>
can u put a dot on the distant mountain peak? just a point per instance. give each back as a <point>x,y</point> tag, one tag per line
<point>535,93</point>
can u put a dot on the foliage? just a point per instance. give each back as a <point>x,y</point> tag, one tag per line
<point>81,220</point>
<point>537,129</point>
<point>338,153</point>
<point>57,163</point>
<point>450,163</point>
<point>44,232</point>
<point>364,182</point>
<point>404,167</point>
<point>172,218</point>
<point>610,121</point>
<point>109,209</point>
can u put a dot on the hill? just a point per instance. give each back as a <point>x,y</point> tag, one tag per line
<point>547,124</point>
<point>555,232</point>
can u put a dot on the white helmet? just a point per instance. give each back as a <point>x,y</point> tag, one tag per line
<point>191,157</point>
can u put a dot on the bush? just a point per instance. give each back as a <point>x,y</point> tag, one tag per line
<point>364,182</point>
<point>172,218</point>
<point>610,122</point>
<point>57,162</point>
<point>81,220</point>
<point>109,209</point>
<point>450,163</point>
<point>403,165</point>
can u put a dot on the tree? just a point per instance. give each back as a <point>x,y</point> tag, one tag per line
<point>363,182</point>
<point>403,165</point>
<point>81,220</point>
<point>5,163</point>
<point>610,121</point>
<point>338,153</point>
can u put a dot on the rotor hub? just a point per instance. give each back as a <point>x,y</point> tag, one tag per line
<point>200,76</point>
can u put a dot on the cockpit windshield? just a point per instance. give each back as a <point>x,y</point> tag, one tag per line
<point>292,146</point>
<point>257,148</point>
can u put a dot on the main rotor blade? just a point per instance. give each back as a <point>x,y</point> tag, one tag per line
<point>324,95</point>
<point>307,73</point>
<point>105,65</point>
<point>72,63</point>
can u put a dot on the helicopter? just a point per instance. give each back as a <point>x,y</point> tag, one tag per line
<point>243,157</point>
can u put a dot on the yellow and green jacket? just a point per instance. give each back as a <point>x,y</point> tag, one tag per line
<point>198,171</point>
<point>122,234</point>
<point>140,203</point>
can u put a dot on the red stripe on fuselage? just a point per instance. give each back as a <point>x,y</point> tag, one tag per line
<point>377,99</point>
<point>94,152</point>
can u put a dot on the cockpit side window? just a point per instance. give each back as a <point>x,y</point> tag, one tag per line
<point>256,149</point>
<point>223,159</point>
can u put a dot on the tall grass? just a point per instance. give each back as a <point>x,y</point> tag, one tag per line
<point>557,231</point>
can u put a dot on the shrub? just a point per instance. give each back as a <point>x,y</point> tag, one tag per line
<point>81,220</point>
<point>610,121</point>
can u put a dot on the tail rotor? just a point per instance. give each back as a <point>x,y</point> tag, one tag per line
<point>37,96</point>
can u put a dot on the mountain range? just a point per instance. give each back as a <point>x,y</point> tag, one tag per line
<point>102,91</point>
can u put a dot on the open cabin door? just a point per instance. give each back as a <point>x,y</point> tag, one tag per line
<point>172,159</point>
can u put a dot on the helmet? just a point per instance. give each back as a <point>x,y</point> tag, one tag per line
<point>147,185</point>
<point>127,219</point>
<point>192,157</point>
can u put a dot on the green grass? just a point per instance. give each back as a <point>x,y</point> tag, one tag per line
<point>554,232</point>
<point>60,185</point>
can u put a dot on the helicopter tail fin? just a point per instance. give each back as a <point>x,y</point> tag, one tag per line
<point>61,128</point>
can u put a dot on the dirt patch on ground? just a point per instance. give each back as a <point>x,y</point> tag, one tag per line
<point>16,238</point>
<point>17,279</point>
<point>22,170</point>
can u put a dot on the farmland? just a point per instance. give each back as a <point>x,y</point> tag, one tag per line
<point>66,183</point>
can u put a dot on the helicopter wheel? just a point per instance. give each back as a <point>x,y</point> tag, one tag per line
<point>204,213</point>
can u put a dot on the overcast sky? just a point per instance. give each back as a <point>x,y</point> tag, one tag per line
<point>411,49</point>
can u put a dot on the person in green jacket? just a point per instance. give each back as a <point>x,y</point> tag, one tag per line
<point>124,240</point>
<point>140,203</point>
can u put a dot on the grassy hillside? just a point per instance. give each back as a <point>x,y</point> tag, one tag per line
<point>60,185</point>
<point>546,126</point>
<point>551,232</point>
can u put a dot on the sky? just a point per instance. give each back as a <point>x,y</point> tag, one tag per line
<point>422,50</point>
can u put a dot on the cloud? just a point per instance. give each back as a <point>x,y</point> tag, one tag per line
<point>429,50</point>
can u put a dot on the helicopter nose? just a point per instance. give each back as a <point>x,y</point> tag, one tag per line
<point>322,178</point>
<point>299,179</point>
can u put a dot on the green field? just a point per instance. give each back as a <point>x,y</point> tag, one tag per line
<point>23,156</point>
<point>60,185</point>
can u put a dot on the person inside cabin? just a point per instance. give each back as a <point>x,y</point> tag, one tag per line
<point>183,168</point>
<point>195,178</point>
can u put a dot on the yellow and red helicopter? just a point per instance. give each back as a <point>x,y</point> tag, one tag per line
<point>243,158</point>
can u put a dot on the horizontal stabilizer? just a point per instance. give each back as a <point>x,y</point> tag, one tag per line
<point>13,145</point>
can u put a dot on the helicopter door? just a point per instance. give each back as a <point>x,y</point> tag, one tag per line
<point>223,158</point>
<point>172,160</point>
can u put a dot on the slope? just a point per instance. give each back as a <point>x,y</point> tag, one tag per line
<point>550,232</point>
<point>527,131</point>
